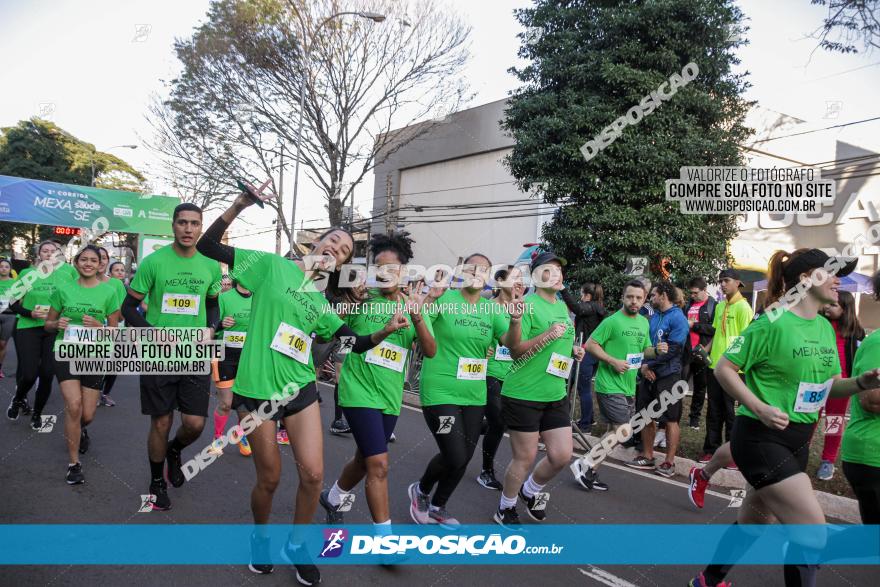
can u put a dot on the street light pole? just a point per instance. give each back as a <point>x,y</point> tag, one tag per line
<point>92,158</point>
<point>307,50</point>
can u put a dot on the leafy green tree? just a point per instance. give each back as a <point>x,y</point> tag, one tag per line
<point>39,149</point>
<point>590,62</point>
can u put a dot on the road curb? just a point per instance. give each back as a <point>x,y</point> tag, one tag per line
<point>834,506</point>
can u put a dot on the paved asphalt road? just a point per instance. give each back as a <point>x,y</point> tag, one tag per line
<point>32,490</point>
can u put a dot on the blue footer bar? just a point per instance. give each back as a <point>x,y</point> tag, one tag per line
<point>208,544</point>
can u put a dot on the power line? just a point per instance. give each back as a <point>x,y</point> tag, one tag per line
<point>806,132</point>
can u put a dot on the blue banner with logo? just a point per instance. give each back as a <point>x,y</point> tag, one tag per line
<point>611,544</point>
<point>51,203</point>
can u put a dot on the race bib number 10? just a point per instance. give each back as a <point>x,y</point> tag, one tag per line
<point>472,369</point>
<point>177,303</point>
<point>387,355</point>
<point>560,365</point>
<point>293,342</point>
<point>811,397</point>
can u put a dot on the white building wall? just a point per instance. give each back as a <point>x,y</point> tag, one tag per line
<point>453,235</point>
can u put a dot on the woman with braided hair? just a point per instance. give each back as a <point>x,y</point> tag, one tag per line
<point>371,384</point>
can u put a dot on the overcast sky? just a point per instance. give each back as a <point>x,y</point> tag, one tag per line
<point>91,66</point>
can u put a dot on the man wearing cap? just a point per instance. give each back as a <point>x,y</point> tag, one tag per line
<point>732,315</point>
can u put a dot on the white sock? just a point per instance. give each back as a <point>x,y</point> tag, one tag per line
<point>382,528</point>
<point>434,508</point>
<point>530,488</point>
<point>506,502</point>
<point>334,496</point>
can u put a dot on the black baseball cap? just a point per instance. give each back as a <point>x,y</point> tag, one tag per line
<point>814,259</point>
<point>731,273</point>
<point>546,257</point>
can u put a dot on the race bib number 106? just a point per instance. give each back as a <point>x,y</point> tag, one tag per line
<point>472,369</point>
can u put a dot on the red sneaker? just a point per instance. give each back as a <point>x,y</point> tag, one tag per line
<point>731,466</point>
<point>697,487</point>
<point>705,458</point>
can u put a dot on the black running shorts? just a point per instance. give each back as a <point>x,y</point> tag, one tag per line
<point>766,456</point>
<point>306,397</point>
<point>62,373</point>
<point>528,416</point>
<point>162,394</point>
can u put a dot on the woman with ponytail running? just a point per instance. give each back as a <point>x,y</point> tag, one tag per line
<point>791,366</point>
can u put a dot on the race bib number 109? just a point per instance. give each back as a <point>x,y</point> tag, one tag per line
<point>177,303</point>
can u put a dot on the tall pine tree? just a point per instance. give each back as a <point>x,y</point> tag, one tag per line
<point>590,61</point>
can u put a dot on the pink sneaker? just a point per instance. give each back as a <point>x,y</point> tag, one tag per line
<point>281,437</point>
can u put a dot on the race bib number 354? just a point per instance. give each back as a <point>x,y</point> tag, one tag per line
<point>293,342</point>
<point>177,303</point>
<point>234,339</point>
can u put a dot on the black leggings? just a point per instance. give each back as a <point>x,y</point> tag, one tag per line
<point>109,380</point>
<point>33,348</point>
<point>865,481</point>
<point>457,440</point>
<point>493,436</point>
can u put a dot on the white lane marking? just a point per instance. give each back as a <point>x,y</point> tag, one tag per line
<point>605,577</point>
<point>651,476</point>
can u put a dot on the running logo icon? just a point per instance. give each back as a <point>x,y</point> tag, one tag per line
<point>333,543</point>
<point>736,344</point>
<point>146,503</point>
<point>47,424</point>
<point>346,500</point>
<point>346,344</point>
<point>736,497</point>
<point>541,500</point>
<point>446,423</point>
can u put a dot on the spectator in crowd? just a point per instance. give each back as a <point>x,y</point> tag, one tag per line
<point>700,312</point>
<point>849,333</point>
<point>588,312</point>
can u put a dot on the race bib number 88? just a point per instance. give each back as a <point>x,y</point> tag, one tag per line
<point>811,397</point>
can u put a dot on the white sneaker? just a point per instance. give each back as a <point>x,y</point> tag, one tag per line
<point>660,439</point>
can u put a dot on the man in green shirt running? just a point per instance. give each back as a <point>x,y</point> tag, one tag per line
<point>183,286</point>
<point>620,343</point>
